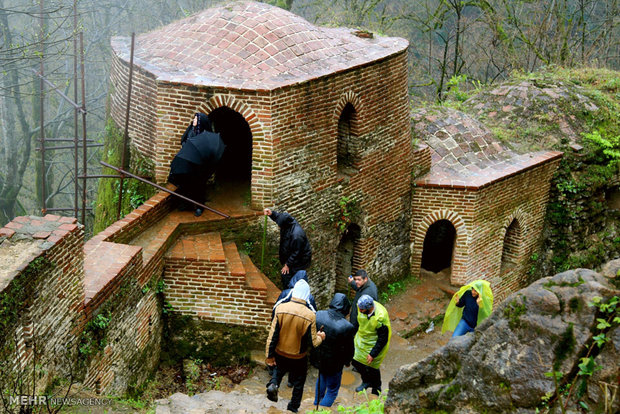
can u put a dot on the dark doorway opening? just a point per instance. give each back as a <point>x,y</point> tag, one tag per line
<point>348,258</point>
<point>438,246</point>
<point>235,166</point>
<point>512,241</point>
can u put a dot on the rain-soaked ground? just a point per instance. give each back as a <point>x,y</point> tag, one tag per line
<point>418,304</point>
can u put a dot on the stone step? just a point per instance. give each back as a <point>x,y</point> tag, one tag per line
<point>255,279</point>
<point>203,247</point>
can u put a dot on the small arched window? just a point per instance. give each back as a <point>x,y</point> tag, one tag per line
<point>512,243</point>
<point>348,145</point>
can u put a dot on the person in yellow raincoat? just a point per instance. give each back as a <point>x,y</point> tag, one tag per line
<point>469,306</point>
<point>372,342</point>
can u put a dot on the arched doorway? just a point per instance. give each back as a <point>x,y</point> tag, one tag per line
<point>438,246</point>
<point>235,169</point>
<point>348,258</point>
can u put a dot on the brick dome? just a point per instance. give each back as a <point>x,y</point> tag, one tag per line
<point>250,45</point>
<point>465,153</point>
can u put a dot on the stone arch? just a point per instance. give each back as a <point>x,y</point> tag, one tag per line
<point>262,155</point>
<point>513,236</point>
<point>461,242</point>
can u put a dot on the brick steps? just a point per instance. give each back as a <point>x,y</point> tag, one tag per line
<point>255,279</point>
<point>209,247</point>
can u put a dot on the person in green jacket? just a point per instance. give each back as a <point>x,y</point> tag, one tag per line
<point>372,342</point>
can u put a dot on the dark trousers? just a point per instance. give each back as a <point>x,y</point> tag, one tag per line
<point>369,375</point>
<point>327,387</point>
<point>297,369</point>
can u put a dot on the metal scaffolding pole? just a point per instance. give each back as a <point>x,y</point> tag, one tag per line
<point>41,108</point>
<point>126,132</point>
<point>84,145</point>
<point>76,184</point>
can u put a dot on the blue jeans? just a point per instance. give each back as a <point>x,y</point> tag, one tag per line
<point>327,387</point>
<point>462,328</point>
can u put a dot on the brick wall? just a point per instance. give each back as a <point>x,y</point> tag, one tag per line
<point>142,115</point>
<point>76,283</point>
<point>48,275</point>
<point>294,153</point>
<point>481,217</point>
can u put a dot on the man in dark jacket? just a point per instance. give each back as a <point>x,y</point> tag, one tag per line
<point>362,285</point>
<point>295,252</point>
<point>335,352</point>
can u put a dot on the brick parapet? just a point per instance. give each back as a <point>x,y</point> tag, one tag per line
<point>53,283</point>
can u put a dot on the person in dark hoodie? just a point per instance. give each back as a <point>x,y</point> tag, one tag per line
<point>361,283</point>
<point>335,352</point>
<point>295,251</point>
<point>188,170</point>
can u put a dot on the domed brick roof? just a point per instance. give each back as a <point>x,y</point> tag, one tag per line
<point>465,153</point>
<point>250,45</point>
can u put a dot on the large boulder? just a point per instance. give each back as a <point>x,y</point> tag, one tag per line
<point>501,367</point>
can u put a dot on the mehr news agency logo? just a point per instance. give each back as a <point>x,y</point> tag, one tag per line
<point>29,400</point>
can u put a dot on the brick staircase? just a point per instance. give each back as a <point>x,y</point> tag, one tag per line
<point>211,279</point>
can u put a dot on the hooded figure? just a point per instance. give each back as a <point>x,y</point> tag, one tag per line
<point>287,294</point>
<point>292,332</point>
<point>336,350</point>
<point>201,150</point>
<point>469,306</point>
<point>295,252</point>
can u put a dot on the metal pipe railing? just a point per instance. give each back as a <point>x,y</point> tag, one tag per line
<point>120,170</point>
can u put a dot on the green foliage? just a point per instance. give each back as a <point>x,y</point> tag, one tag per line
<point>192,374</point>
<point>135,192</point>
<point>94,336</point>
<point>513,312</point>
<point>370,406</point>
<point>398,287</point>
<point>608,145</point>
<point>454,91</point>
<point>349,211</point>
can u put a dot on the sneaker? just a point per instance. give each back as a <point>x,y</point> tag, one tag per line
<point>293,410</point>
<point>362,387</point>
<point>376,391</point>
<point>198,212</point>
<point>289,384</point>
<point>272,392</point>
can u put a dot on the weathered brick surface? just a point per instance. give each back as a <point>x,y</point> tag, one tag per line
<point>481,218</point>
<point>50,315</point>
<point>207,279</point>
<point>295,133</point>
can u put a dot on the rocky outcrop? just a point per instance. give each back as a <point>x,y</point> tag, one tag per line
<point>502,366</point>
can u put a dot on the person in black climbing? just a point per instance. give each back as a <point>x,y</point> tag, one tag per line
<point>201,150</point>
<point>361,283</point>
<point>335,352</point>
<point>295,252</point>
